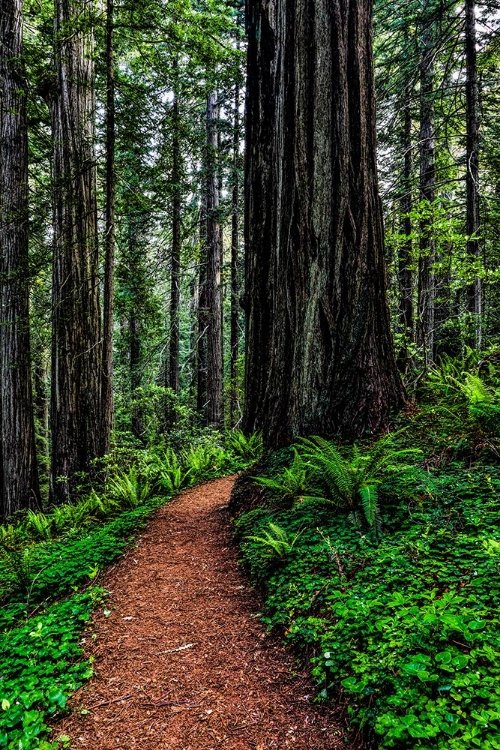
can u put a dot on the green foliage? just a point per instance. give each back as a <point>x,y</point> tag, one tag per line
<point>351,483</point>
<point>275,542</point>
<point>166,471</point>
<point>41,665</point>
<point>247,448</point>
<point>291,484</point>
<point>129,489</point>
<point>407,625</point>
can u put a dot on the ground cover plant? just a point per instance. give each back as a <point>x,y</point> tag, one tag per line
<point>402,617</point>
<point>49,568</point>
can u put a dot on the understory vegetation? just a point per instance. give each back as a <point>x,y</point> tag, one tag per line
<point>50,565</point>
<point>380,563</point>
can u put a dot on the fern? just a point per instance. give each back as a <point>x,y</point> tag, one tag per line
<point>351,483</point>
<point>248,448</point>
<point>292,483</point>
<point>276,542</point>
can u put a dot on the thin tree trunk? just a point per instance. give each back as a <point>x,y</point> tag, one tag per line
<point>76,351</point>
<point>319,352</point>
<point>426,290</point>
<point>474,292</point>
<point>235,286</point>
<point>405,259</point>
<point>107,405</point>
<point>214,414</point>
<point>173,362</point>
<point>201,344</point>
<point>19,474</point>
<point>135,355</point>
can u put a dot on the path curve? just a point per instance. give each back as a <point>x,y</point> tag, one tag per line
<point>182,661</point>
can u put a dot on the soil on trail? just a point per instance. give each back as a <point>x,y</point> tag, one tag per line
<point>181,660</point>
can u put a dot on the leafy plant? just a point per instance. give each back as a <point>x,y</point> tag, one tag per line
<point>130,490</point>
<point>276,542</point>
<point>167,471</point>
<point>292,483</point>
<point>351,483</point>
<point>248,448</point>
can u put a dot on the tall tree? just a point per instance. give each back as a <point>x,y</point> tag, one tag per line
<point>109,241</point>
<point>235,274</point>
<point>319,352</point>
<point>76,355</point>
<point>19,475</point>
<point>426,288</point>
<point>211,297</point>
<point>173,361</point>
<point>474,292</point>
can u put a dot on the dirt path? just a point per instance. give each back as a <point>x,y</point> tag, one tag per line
<point>181,661</point>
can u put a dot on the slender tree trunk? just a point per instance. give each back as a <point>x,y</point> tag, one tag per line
<point>214,414</point>
<point>76,351</point>
<point>474,292</point>
<point>107,405</point>
<point>173,362</point>
<point>235,285</point>
<point>19,474</point>
<point>135,360</point>
<point>405,259</point>
<point>319,352</point>
<point>201,344</point>
<point>426,286</point>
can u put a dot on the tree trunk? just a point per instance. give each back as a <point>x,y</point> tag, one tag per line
<point>405,259</point>
<point>474,291</point>
<point>76,355</point>
<point>135,360</point>
<point>319,352</point>
<point>201,344</point>
<point>214,414</point>
<point>426,290</point>
<point>19,474</point>
<point>235,285</point>
<point>173,362</point>
<point>107,405</point>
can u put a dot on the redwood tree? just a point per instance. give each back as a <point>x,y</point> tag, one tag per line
<point>319,352</point>
<point>18,470</point>
<point>76,355</point>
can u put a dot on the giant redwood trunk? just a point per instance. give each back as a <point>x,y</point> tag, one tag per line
<point>76,356</point>
<point>319,352</point>
<point>19,476</point>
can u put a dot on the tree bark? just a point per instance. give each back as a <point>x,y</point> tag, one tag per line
<point>474,291</point>
<point>235,280</point>
<point>319,352</point>
<point>76,351</point>
<point>426,285</point>
<point>19,474</point>
<point>173,362</point>
<point>214,413</point>
<point>405,259</point>
<point>107,405</point>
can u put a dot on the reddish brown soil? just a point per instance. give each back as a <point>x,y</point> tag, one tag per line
<point>182,661</point>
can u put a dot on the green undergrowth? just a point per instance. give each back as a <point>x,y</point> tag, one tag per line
<point>49,567</point>
<point>401,617</point>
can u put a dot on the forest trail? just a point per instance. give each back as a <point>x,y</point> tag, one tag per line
<point>181,660</point>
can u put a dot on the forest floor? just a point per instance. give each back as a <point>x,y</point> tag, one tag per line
<point>181,658</point>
